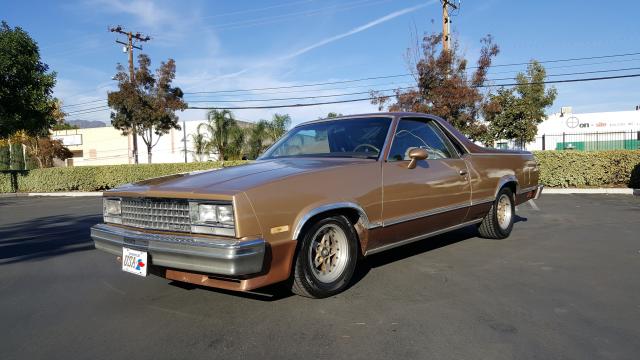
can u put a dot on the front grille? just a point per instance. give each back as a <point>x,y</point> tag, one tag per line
<point>157,214</point>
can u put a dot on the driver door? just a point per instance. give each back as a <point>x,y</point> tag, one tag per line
<point>432,196</point>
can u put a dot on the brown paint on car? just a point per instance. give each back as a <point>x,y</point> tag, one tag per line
<point>398,202</point>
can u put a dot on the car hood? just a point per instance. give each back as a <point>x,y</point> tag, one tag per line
<point>233,179</point>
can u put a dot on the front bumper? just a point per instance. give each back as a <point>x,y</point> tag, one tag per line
<point>221,256</point>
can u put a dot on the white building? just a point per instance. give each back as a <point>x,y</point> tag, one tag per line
<point>107,146</point>
<point>587,131</point>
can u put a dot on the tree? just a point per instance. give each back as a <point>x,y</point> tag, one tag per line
<point>443,86</point>
<point>200,146</point>
<point>222,131</point>
<point>59,116</point>
<point>44,150</point>
<point>237,143</point>
<point>17,156</point>
<point>40,150</point>
<point>278,126</point>
<point>4,155</point>
<point>257,139</point>
<point>25,85</point>
<point>148,103</point>
<point>515,113</point>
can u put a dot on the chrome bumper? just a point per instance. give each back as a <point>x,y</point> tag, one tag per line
<point>538,192</point>
<point>202,254</point>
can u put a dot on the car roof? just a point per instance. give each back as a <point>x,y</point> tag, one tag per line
<point>376,114</point>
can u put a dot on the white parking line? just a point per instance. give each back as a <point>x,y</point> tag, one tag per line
<point>533,205</point>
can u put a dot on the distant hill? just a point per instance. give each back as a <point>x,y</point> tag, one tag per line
<point>85,124</point>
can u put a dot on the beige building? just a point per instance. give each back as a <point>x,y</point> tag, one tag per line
<point>107,146</point>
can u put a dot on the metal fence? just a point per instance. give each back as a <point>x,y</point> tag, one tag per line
<point>592,141</point>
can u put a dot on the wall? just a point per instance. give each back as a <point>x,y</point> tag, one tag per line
<point>615,129</point>
<point>107,146</point>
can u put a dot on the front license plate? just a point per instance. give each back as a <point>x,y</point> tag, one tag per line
<point>134,261</point>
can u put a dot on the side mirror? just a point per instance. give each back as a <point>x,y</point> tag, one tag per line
<point>417,154</point>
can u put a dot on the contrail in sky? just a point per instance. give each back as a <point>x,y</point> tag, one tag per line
<point>356,30</point>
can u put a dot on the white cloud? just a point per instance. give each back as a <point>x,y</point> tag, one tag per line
<point>146,11</point>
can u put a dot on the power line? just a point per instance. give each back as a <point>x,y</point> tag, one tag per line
<point>83,103</point>
<point>572,66</point>
<point>382,84</point>
<point>301,97</point>
<point>393,89</point>
<point>367,85</point>
<point>298,86</point>
<point>565,60</point>
<point>88,111</point>
<point>401,75</point>
<point>388,96</point>
<point>103,108</point>
<point>575,73</point>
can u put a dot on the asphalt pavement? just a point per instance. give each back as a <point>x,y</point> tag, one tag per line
<point>565,285</point>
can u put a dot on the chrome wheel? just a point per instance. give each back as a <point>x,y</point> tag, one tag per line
<point>329,253</point>
<point>504,211</point>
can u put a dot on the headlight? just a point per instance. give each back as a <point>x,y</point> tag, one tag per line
<point>211,218</point>
<point>112,210</point>
<point>225,214</point>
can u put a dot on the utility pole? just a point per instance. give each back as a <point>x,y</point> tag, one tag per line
<point>130,46</point>
<point>446,23</point>
<point>184,139</point>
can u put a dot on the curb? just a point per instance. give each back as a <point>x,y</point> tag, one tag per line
<point>624,191</point>
<point>68,194</point>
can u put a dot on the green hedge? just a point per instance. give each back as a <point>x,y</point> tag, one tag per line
<point>557,169</point>
<point>4,157</point>
<point>589,168</point>
<point>17,157</point>
<point>95,178</point>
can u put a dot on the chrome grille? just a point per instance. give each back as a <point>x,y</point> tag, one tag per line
<point>158,214</point>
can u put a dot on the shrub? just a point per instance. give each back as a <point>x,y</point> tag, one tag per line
<point>4,157</point>
<point>95,178</point>
<point>588,168</point>
<point>17,157</point>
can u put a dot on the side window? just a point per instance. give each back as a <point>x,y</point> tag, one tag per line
<point>411,134</point>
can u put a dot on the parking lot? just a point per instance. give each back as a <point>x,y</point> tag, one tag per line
<point>565,285</point>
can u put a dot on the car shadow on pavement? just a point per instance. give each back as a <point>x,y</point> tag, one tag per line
<point>45,237</point>
<point>416,248</point>
<point>268,293</point>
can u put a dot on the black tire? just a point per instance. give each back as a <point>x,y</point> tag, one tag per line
<point>491,226</point>
<point>307,280</point>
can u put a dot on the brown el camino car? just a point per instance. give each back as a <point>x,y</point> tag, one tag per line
<point>325,195</point>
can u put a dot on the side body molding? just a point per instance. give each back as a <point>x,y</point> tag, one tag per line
<point>364,219</point>
<point>505,179</point>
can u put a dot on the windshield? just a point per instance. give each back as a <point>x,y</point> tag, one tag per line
<point>360,137</point>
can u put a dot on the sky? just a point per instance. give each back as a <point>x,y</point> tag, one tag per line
<point>237,45</point>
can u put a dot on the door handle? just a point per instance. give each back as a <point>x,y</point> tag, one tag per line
<point>463,172</point>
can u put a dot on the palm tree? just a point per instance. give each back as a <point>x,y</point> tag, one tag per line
<point>236,143</point>
<point>222,128</point>
<point>257,138</point>
<point>278,126</point>
<point>200,146</point>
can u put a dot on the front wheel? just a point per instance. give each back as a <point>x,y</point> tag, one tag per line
<point>498,223</point>
<point>326,258</point>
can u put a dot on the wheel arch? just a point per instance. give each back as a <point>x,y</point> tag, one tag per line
<point>352,211</point>
<point>509,181</point>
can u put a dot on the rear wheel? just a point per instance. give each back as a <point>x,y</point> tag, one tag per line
<point>326,258</point>
<point>498,223</point>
